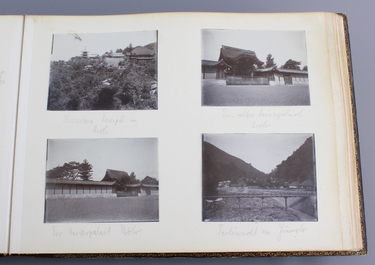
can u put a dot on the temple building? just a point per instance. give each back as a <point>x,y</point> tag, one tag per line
<point>136,189</point>
<point>242,67</point>
<point>141,55</point>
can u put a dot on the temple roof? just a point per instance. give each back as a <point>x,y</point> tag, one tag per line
<point>112,174</point>
<point>307,183</point>
<point>209,63</point>
<point>79,182</point>
<point>231,54</point>
<point>291,71</point>
<point>142,185</point>
<point>141,51</point>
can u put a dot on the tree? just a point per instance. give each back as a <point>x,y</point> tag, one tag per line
<point>129,48</point>
<point>133,179</point>
<point>71,171</point>
<point>304,68</point>
<point>291,64</point>
<point>85,170</point>
<point>270,61</point>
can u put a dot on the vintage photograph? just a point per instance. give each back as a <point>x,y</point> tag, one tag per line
<point>103,71</point>
<point>102,180</point>
<point>254,68</point>
<point>259,178</point>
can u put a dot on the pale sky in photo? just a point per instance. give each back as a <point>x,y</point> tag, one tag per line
<point>263,151</point>
<point>138,155</point>
<point>283,45</point>
<point>66,46</point>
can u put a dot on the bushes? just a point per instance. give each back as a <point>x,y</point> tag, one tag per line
<point>90,84</point>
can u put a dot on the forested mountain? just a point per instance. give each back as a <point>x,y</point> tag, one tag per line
<point>221,166</point>
<point>300,166</point>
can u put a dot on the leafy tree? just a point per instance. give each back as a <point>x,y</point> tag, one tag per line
<point>291,64</point>
<point>304,68</point>
<point>270,61</point>
<point>71,171</point>
<point>86,170</point>
<point>129,48</point>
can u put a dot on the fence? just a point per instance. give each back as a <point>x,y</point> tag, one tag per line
<point>246,80</point>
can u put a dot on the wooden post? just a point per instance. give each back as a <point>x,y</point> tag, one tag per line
<point>286,203</point>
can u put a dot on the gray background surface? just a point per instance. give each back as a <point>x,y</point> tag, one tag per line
<point>361,27</point>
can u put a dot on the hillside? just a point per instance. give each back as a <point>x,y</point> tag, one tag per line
<point>299,167</point>
<point>151,46</point>
<point>219,166</point>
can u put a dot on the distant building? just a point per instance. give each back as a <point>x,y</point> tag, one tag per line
<point>141,189</point>
<point>116,55</point>
<point>137,189</point>
<point>293,185</point>
<point>85,54</point>
<point>307,185</point>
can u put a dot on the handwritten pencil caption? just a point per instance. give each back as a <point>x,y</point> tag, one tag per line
<point>263,118</point>
<point>102,125</point>
<point>232,231</point>
<point>99,231</point>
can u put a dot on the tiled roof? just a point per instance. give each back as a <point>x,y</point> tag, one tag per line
<point>139,51</point>
<point>112,174</point>
<point>307,183</point>
<point>214,63</point>
<point>232,53</point>
<point>79,182</point>
<point>291,71</point>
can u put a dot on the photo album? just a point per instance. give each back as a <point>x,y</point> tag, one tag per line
<point>179,135</point>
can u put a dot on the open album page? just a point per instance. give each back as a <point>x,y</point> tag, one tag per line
<point>186,132</point>
<point>10,53</point>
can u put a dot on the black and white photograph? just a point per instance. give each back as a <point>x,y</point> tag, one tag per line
<point>102,180</point>
<point>259,178</point>
<point>254,68</point>
<point>103,71</point>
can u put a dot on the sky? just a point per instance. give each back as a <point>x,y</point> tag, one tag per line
<point>263,151</point>
<point>138,155</point>
<point>283,45</point>
<point>66,46</point>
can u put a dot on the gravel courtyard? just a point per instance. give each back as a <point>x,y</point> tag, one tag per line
<point>216,93</point>
<point>101,210</point>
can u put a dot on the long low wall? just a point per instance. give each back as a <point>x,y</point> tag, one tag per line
<point>238,80</point>
<point>77,196</point>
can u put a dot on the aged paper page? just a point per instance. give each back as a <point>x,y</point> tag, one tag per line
<point>10,54</point>
<point>175,130</point>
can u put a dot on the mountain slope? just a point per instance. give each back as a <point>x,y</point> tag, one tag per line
<point>219,166</point>
<point>298,167</point>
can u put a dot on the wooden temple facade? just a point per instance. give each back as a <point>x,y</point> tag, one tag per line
<point>242,67</point>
